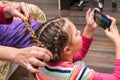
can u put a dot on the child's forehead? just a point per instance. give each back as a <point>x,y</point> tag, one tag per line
<point>67,21</point>
<point>68,26</point>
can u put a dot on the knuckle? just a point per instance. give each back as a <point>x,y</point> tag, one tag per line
<point>31,70</point>
<point>28,68</point>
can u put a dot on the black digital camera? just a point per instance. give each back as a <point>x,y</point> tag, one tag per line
<point>101,19</point>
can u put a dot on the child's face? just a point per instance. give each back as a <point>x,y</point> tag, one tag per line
<point>76,40</point>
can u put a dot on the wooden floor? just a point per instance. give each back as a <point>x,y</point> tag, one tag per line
<point>101,55</point>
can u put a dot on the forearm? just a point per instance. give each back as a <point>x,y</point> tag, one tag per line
<point>117,50</point>
<point>7,53</point>
<point>105,76</point>
<point>116,73</point>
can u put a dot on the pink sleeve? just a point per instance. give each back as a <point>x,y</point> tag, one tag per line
<point>105,76</point>
<point>85,46</point>
<point>3,20</point>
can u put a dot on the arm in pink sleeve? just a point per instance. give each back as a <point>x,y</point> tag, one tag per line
<point>105,76</point>
<point>86,42</point>
<point>3,20</point>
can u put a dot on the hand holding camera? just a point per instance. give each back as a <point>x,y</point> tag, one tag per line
<point>101,19</point>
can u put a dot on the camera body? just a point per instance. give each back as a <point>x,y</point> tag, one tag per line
<point>101,19</point>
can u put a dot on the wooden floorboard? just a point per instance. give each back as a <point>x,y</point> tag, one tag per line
<point>101,54</point>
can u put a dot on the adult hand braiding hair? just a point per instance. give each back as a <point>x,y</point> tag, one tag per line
<point>43,53</point>
<point>20,10</point>
<point>26,57</point>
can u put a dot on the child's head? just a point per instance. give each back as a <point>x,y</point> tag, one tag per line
<point>60,37</point>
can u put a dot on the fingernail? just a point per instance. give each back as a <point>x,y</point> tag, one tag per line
<point>25,19</point>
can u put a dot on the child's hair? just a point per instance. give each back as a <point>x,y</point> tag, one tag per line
<point>52,37</point>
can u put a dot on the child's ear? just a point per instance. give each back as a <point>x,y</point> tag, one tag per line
<point>67,50</point>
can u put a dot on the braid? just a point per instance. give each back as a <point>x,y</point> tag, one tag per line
<point>51,34</point>
<point>33,38</point>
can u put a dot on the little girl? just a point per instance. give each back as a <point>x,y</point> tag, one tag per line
<point>68,46</point>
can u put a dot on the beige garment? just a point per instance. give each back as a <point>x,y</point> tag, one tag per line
<point>37,14</point>
<point>4,69</point>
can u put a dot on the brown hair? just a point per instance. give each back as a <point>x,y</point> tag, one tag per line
<point>53,37</point>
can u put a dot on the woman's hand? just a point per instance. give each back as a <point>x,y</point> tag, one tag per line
<point>32,57</point>
<point>19,10</point>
